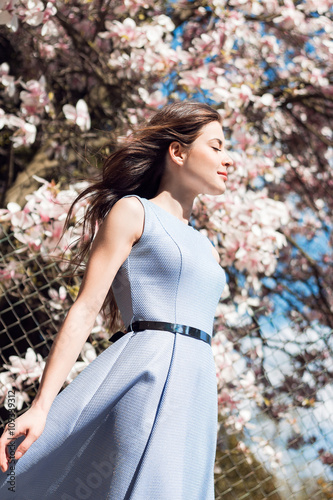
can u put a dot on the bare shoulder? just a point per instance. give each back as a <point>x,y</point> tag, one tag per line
<point>129,206</point>
<point>127,213</point>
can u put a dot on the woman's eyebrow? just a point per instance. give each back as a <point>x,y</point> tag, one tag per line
<point>218,140</point>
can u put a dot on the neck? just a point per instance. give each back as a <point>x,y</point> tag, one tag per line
<point>175,203</point>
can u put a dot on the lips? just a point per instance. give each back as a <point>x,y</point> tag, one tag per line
<point>224,175</point>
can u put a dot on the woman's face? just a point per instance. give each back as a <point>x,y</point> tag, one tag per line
<point>206,163</point>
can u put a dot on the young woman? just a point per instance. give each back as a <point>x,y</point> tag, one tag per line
<point>140,422</point>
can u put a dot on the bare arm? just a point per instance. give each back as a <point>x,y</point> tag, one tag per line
<point>121,228</point>
<point>63,354</point>
<point>111,246</point>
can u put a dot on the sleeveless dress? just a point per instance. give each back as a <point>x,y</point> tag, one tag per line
<point>139,422</point>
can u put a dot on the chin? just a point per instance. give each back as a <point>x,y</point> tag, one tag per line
<point>213,192</point>
<point>218,191</point>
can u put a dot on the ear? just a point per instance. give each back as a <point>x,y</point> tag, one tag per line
<point>177,152</point>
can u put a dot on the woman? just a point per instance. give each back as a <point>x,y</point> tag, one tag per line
<point>140,421</point>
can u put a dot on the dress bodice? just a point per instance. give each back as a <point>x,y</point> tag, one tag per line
<point>170,274</point>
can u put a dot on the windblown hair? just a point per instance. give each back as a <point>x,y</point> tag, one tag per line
<point>137,167</point>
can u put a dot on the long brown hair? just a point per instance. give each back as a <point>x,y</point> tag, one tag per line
<point>137,167</point>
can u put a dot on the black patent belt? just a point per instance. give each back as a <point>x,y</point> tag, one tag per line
<point>138,326</point>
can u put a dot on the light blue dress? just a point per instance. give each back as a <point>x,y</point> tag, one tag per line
<point>140,422</point>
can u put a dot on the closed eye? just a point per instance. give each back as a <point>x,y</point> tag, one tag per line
<point>216,149</point>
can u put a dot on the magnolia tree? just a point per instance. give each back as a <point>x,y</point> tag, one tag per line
<point>79,70</point>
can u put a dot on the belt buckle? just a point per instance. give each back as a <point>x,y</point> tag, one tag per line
<point>178,328</point>
<point>183,329</point>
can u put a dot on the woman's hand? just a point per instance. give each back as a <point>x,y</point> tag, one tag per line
<point>31,424</point>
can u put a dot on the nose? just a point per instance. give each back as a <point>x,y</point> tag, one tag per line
<point>227,161</point>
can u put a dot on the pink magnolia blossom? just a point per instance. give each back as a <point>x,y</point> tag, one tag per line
<point>8,13</point>
<point>239,421</point>
<point>24,134</point>
<point>196,79</point>
<point>125,33</point>
<point>49,30</point>
<point>6,214</point>
<point>49,11</point>
<point>226,400</point>
<point>6,381</point>
<point>34,97</point>
<point>290,17</point>
<point>46,50</point>
<point>39,224</point>
<point>99,330</point>
<point>3,118</point>
<point>88,354</point>
<point>79,114</point>
<point>11,271</point>
<point>132,6</point>
<point>27,369</point>
<point>7,81</point>
<point>57,297</point>
<point>30,11</point>
<point>253,7</point>
<point>34,12</point>
<point>314,6</point>
<point>156,99</point>
<point>248,225</point>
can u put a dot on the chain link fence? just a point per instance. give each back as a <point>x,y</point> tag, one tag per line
<point>275,444</point>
